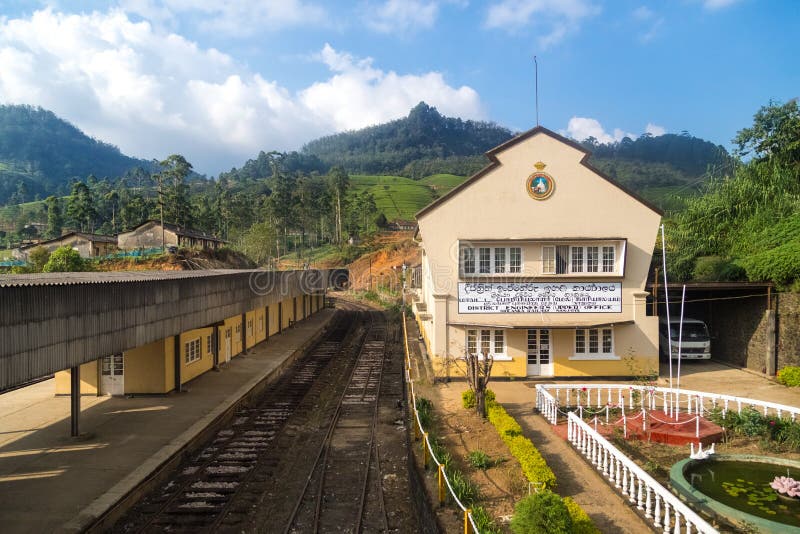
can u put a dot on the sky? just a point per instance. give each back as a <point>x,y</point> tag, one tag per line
<point>220,80</point>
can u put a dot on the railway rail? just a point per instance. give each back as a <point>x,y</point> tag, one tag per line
<point>305,458</point>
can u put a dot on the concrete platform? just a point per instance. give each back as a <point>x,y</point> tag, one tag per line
<point>50,482</point>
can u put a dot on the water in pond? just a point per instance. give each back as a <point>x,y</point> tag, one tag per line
<point>745,486</point>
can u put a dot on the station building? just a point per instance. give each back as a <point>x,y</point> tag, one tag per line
<point>167,364</point>
<point>542,261</point>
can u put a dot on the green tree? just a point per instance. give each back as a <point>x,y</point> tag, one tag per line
<point>64,260</point>
<point>80,207</point>
<point>339,182</point>
<point>38,258</point>
<point>55,217</point>
<point>775,134</point>
<point>282,204</point>
<point>175,191</point>
<point>259,243</point>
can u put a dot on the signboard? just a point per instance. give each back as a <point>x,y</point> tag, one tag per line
<point>555,297</point>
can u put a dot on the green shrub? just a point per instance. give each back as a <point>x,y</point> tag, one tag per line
<point>479,460</point>
<point>752,423</point>
<point>717,269</point>
<point>64,260</point>
<point>465,490</point>
<point>581,522</point>
<point>541,513</point>
<point>780,264</point>
<point>441,453</point>
<point>789,376</point>
<point>425,412</point>
<point>484,521</point>
<point>468,399</point>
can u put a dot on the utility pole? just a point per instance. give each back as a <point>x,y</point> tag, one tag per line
<point>161,210</point>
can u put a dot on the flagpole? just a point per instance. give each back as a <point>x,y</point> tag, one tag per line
<point>666,301</point>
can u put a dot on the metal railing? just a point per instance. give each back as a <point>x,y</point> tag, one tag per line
<point>554,400</point>
<point>659,505</point>
<point>427,449</point>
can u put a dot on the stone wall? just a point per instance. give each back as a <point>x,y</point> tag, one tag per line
<point>738,330</point>
<point>788,327</point>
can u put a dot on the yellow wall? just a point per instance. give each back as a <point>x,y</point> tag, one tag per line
<point>250,321</point>
<point>274,327</point>
<point>260,324</point>
<point>236,338</point>
<point>286,311</point>
<point>149,369</point>
<point>88,380</point>
<point>198,367</point>
<point>301,307</point>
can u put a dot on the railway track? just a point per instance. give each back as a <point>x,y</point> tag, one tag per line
<point>305,457</point>
<point>213,489</point>
<point>347,468</point>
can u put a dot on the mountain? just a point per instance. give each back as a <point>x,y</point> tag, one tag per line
<point>40,153</point>
<point>398,146</point>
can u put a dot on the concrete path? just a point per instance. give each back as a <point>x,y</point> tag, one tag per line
<point>52,483</point>
<point>716,377</point>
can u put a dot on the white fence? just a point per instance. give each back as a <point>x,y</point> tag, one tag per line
<point>427,448</point>
<point>554,400</point>
<point>659,504</point>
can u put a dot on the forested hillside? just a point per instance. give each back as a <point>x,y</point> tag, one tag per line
<point>40,154</point>
<point>746,224</point>
<point>394,147</point>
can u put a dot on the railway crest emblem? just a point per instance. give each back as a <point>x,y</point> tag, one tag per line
<point>540,185</point>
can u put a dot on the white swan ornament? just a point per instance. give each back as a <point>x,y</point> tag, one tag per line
<point>701,454</point>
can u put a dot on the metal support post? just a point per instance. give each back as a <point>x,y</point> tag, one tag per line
<point>75,400</point>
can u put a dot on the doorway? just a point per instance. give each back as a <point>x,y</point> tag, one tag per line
<point>227,345</point>
<point>540,362</point>
<point>112,375</point>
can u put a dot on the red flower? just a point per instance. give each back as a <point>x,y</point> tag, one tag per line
<point>772,423</point>
<point>583,389</point>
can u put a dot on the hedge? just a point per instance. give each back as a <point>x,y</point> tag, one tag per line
<point>789,376</point>
<point>581,522</point>
<point>530,459</point>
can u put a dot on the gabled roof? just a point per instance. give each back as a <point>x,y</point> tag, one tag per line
<point>181,231</point>
<point>96,238</point>
<point>494,163</point>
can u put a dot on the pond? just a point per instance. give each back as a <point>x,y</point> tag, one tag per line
<point>741,484</point>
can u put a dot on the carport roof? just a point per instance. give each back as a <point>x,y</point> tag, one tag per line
<point>706,286</point>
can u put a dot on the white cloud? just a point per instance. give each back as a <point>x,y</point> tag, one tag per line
<point>236,18</point>
<point>401,16</point>
<point>649,21</point>
<point>153,93</point>
<point>718,4</point>
<point>359,95</point>
<point>654,129</point>
<point>581,128</point>
<point>551,20</point>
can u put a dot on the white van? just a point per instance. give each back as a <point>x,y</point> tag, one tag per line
<point>695,340</point>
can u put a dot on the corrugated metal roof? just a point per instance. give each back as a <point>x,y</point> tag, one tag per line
<point>61,279</point>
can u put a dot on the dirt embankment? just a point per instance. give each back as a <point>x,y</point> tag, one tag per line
<point>183,260</point>
<point>384,267</point>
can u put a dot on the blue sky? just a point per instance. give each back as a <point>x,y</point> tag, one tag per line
<point>218,81</point>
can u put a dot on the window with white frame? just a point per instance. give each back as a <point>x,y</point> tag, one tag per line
<point>487,261</point>
<point>578,258</point>
<point>608,259</point>
<point>594,342</point>
<point>191,351</point>
<point>480,341</point>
